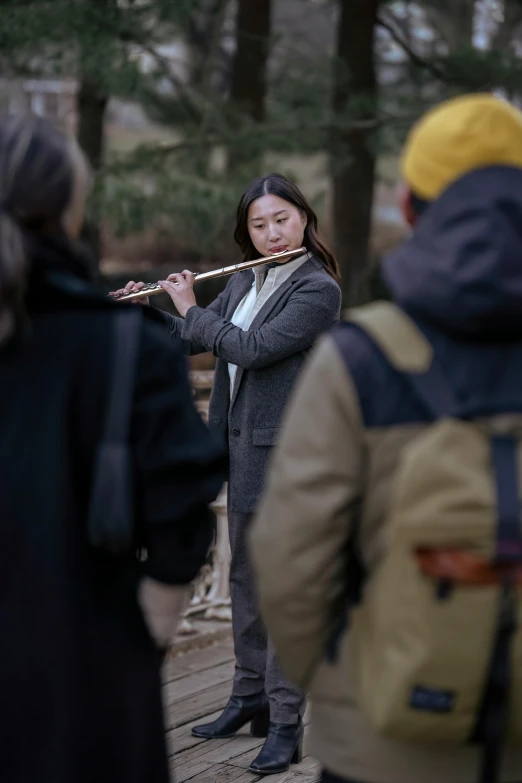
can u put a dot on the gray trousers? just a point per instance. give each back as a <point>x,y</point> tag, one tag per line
<point>257,667</point>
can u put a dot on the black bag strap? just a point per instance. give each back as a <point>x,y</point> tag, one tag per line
<point>494,711</point>
<point>110,520</point>
<point>504,454</point>
<point>125,352</point>
<point>493,714</point>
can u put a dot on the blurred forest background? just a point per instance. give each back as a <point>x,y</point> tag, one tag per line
<point>179,103</point>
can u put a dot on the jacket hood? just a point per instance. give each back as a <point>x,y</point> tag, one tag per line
<point>461,270</point>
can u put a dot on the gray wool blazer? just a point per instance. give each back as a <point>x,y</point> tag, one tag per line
<point>268,357</point>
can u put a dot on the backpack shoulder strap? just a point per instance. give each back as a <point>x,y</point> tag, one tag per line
<point>394,332</point>
<point>409,352</point>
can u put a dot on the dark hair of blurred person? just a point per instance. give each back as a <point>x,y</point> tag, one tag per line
<point>80,669</point>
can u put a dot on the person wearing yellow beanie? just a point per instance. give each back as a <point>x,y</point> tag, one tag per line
<point>366,398</point>
<point>462,194</point>
<point>456,137</point>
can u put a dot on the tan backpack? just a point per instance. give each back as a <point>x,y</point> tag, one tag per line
<point>437,631</point>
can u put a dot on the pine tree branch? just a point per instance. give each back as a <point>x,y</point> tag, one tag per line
<point>131,35</point>
<point>145,154</point>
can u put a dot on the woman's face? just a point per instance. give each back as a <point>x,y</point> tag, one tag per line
<point>275,225</point>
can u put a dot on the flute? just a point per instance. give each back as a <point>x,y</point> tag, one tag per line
<point>150,289</point>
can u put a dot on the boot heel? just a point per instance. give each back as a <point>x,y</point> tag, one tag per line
<point>298,752</point>
<point>259,725</point>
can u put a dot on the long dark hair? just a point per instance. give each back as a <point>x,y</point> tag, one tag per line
<point>279,185</point>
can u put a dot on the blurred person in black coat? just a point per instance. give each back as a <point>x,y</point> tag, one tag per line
<point>80,694</point>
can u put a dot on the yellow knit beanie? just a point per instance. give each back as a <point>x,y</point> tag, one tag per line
<point>457,137</point>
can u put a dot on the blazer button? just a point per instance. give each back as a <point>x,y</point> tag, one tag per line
<point>235,431</point>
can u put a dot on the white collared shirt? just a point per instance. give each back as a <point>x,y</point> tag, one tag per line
<point>252,303</point>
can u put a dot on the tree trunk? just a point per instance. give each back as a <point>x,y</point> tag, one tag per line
<point>352,156</point>
<point>92,105</point>
<point>205,44</point>
<point>93,99</point>
<point>206,47</point>
<point>248,88</point>
<point>454,19</point>
<point>461,17</point>
<point>509,26</point>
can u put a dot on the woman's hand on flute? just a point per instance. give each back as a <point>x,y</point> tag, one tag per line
<point>130,288</point>
<point>180,288</point>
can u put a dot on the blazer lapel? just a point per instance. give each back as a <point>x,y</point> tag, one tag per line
<point>272,301</point>
<point>309,266</point>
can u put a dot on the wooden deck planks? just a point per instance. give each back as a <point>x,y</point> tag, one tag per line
<point>197,706</point>
<point>193,684</point>
<point>197,661</point>
<point>197,686</point>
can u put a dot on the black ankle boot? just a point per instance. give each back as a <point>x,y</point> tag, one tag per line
<point>283,746</point>
<point>239,711</point>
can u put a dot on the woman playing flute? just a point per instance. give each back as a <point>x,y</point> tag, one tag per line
<point>260,328</point>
